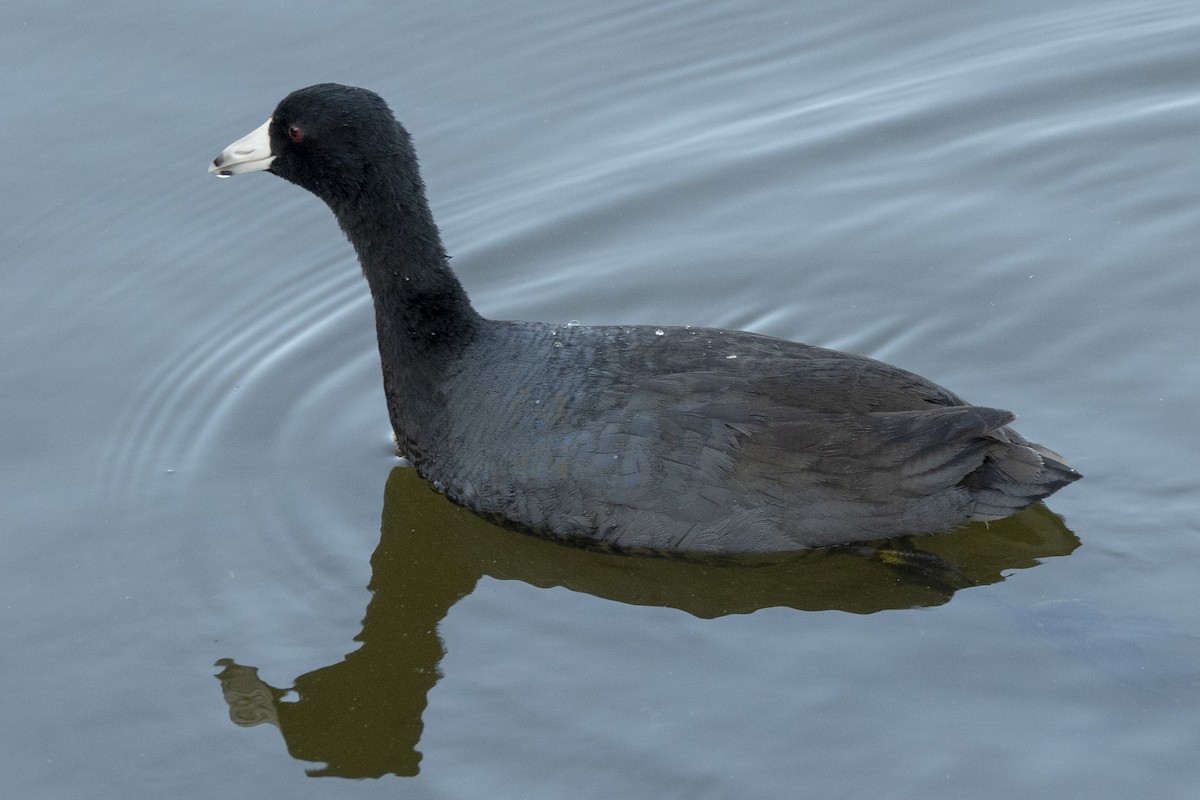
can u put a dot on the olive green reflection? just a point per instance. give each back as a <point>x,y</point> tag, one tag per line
<point>361,717</point>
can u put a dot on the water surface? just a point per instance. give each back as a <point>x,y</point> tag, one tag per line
<point>195,457</point>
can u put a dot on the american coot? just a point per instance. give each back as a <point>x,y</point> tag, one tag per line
<point>676,439</point>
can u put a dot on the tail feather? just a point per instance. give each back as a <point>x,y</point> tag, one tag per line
<point>1015,476</point>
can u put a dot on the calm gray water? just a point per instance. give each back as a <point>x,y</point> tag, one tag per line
<point>195,457</point>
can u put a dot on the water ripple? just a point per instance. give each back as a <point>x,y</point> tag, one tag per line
<point>257,354</point>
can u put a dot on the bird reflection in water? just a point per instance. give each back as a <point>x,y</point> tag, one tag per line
<point>362,717</point>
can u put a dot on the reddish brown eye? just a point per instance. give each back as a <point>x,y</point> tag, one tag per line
<point>294,133</point>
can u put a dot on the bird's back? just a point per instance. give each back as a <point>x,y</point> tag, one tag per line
<point>695,439</point>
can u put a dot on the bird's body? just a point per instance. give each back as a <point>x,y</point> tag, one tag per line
<point>677,439</point>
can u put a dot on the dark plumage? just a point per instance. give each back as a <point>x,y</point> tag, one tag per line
<point>683,439</point>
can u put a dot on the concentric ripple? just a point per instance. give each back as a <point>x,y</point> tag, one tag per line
<point>238,387</point>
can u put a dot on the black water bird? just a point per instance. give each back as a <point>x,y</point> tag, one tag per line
<point>676,439</point>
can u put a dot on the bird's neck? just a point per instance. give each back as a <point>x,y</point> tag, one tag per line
<point>401,253</point>
<point>423,318</point>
